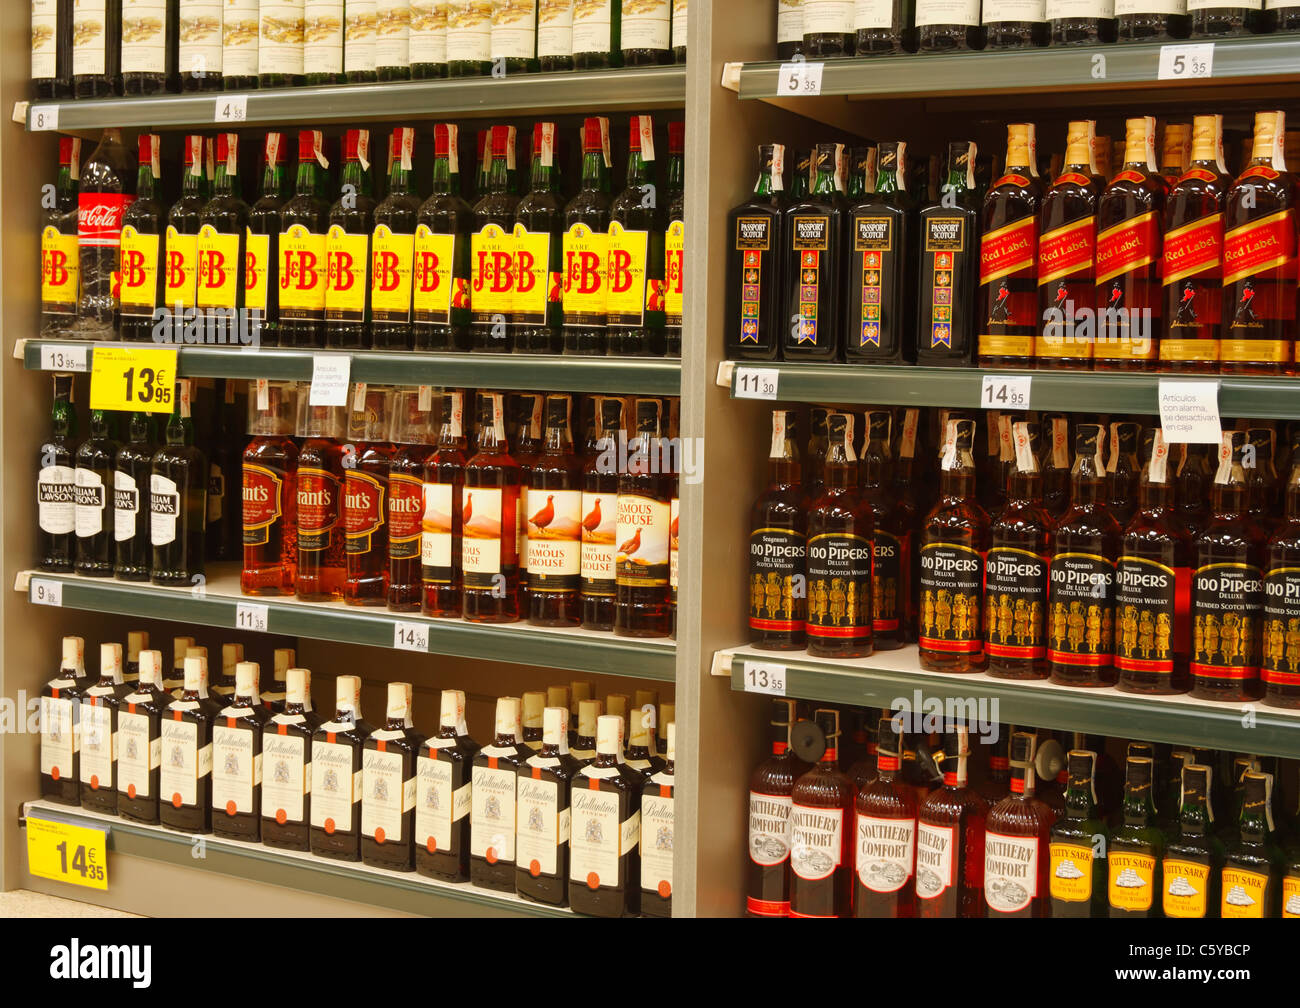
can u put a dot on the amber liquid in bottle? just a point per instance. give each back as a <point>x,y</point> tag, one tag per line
<point>657,829</point>
<point>336,760</point>
<point>821,839</point>
<point>1016,863</point>
<point>489,501</point>
<point>286,757</point>
<point>554,523</point>
<point>322,556</point>
<point>641,600</point>
<point>599,520</point>
<point>406,504</point>
<point>891,536</point>
<point>885,850</point>
<point>99,725</point>
<point>607,801</point>
<point>440,538</point>
<point>767,890</point>
<point>270,503</point>
<point>442,797</point>
<point>388,771</point>
<point>778,546</point>
<point>1281,648</point>
<point>950,839</point>
<point>493,791</point>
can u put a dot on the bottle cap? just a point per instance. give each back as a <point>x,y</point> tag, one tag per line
<point>557,696</point>
<point>667,713</point>
<point>645,696</point>
<point>502,141</point>
<point>616,703</point>
<point>74,649</point>
<point>110,661</point>
<point>889,736</point>
<point>670,749</point>
<point>1174,147</point>
<point>136,641</point>
<point>327,422</point>
<point>399,702</point>
<point>196,673</point>
<point>197,652</point>
<point>272,408</point>
<point>297,685</point>
<point>533,703</point>
<point>246,679</point>
<point>272,148</point>
<point>228,152</point>
<point>284,659</point>
<point>231,655</point>
<point>443,134</point>
<point>555,727</point>
<point>639,733</point>
<point>508,716</point>
<point>356,146</point>
<point>150,668</point>
<point>609,735</point>
<point>180,647</point>
<point>347,694</point>
<point>588,715</point>
<point>677,137</point>
<point>411,416</point>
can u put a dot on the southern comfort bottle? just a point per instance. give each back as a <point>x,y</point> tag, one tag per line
<point>489,503</point>
<point>270,501</point>
<point>365,496</point>
<point>388,781</point>
<point>885,830</point>
<point>442,795</point>
<point>778,546</point>
<point>821,840</point>
<point>641,602</point>
<point>1016,862</point>
<point>336,776</point>
<point>286,760</point>
<point>950,838</point>
<point>493,794</point>
<point>767,890</point>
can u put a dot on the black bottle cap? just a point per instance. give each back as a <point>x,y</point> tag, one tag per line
<point>889,736</point>
<point>1022,749</point>
<point>1126,434</point>
<point>807,741</point>
<point>782,713</point>
<point>878,423</point>
<point>825,155</point>
<point>1137,774</point>
<point>1195,781</point>
<point>1257,787</point>
<point>647,416</point>
<point>956,741</point>
<point>1144,750</point>
<point>557,411</point>
<point>839,428</point>
<point>1087,439</point>
<point>1148,445</point>
<point>819,415</point>
<point>611,414</point>
<point>887,155</point>
<point>1080,765</point>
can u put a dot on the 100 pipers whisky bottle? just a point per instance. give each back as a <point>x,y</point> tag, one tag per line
<point>813,237</point>
<point>442,795</point>
<point>949,242</point>
<point>286,756</point>
<point>891,560</point>
<point>821,840</point>
<point>336,776</point>
<point>755,327</point>
<point>1008,294</point>
<point>1281,650</point>
<point>778,604</point>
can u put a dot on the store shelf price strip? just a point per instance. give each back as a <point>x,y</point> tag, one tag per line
<point>764,677</point>
<point>133,379</point>
<point>756,383</point>
<point>1005,392</point>
<point>65,853</point>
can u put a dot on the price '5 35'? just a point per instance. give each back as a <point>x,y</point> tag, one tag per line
<point>132,379</point>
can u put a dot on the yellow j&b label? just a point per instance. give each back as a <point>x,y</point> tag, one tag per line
<point>302,273</point>
<point>1245,893</point>
<point>674,260</point>
<point>532,276</point>
<point>61,270</point>
<point>128,379</point>
<point>585,279</point>
<point>180,269</point>
<point>492,252</point>
<point>1071,880</point>
<point>348,258</point>
<point>74,854</point>
<point>1186,885</point>
<point>138,272</point>
<point>220,270</point>
<point>257,270</point>
<point>1131,884</point>
<point>431,281</point>
<point>626,275</point>
<point>391,260</point>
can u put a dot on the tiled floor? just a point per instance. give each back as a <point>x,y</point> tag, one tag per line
<point>23,903</point>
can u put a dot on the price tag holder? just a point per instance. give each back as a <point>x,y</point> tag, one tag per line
<point>43,118</point>
<point>132,379</point>
<point>800,79</point>
<point>329,379</point>
<point>232,109</point>
<point>41,591</point>
<point>1189,412</point>
<point>1005,392</point>
<point>764,677</point>
<point>250,616</point>
<point>755,383</point>
<point>1186,62</point>
<point>77,855</point>
<point>63,358</point>
<point>411,636</point>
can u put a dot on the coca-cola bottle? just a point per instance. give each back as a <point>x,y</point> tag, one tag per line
<point>105,193</point>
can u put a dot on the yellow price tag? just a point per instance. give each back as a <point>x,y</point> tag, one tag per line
<point>74,854</point>
<point>133,379</point>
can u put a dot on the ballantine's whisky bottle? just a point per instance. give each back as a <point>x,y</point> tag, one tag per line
<point>440,535</point>
<point>388,782</point>
<point>1281,650</point>
<point>286,757</point>
<point>139,740</point>
<point>1193,859</point>
<point>442,795</point>
<point>185,781</point>
<point>237,760</point>
<point>61,726</point>
<point>493,793</point>
<point>543,814</point>
<point>948,239</point>
<point>813,236</point>
<point>1077,886</point>
<point>1251,876</point>
<point>821,837</point>
<point>1017,831</point>
<point>885,834</point>
<point>755,236</point>
<point>954,540</point>
<point>778,602</point>
<point>605,835</point>
<point>1135,854</point>
<point>336,776</point>
<point>657,830</point>
<point>98,720</point>
<point>1008,294</point>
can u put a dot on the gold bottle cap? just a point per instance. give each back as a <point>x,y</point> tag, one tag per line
<point>347,694</point>
<point>452,714</point>
<point>670,749</point>
<point>1270,128</point>
<point>1020,147</point>
<point>668,713</point>
<point>508,716</point>
<point>196,673</point>
<point>231,655</point>
<point>1174,147</point>
<point>1207,139</point>
<point>616,703</point>
<point>555,727</point>
<point>1079,138</point>
<point>609,735</point>
<point>110,661</point>
<point>557,696</point>
<point>150,668</point>
<point>646,696</point>
<point>578,692</point>
<point>136,641</point>
<point>640,733</point>
<point>588,715</point>
<point>1140,141</point>
<point>285,659</point>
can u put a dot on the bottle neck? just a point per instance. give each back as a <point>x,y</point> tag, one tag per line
<point>223,184</point>
<point>1194,819</point>
<point>64,418</point>
<point>1155,496</point>
<point>144,183</point>
<point>824,183</point>
<point>1022,782</point>
<point>1088,488</point>
<point>638,171</point>
<point>1138,807</point>
<point>498,177</point>
<point>305,184</point>
<point>593,170</point>
<point>1079,802</point>
<point>399,179</point>
<point>441,185</point>
<point>676,173</point>
<point>542,177</point>
<point>193,182</point>
<point>1024,487</point>
<point>957,483</point>
<point>357,177</point>
<point>273,180</point>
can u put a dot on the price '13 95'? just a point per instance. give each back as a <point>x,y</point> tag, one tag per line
<point>147,386</point>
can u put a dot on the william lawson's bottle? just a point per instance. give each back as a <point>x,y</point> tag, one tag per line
<point>392,249</point>
<point>885,828</point>
<point>821,835</point>
<point>636,253</point>
<point>301,266</point>
<point>98,718</point>
<point>493,792</point>
<point>950,838</point>
<point>1078,880</point>
<point>337,750</point>
<point>881,273</point>
<point>949,239</point>
<point>778,547</point>
<point>388,781</point>
<point>1251,877</point>
<point>586,238</point>
<point>543,814</point>
<point>56,483</point>
<point>755,329</point>
<point>178,499</point>
<point>347,250</point>
<point>141,266</point>
<point>441,273</point>
<point>891,563</point>
<point>238,761</point>
<point>492,294</point>
<point>442,795</point>
<point>185,782</point>
<point>93,488</point>
<point>767,892</point>
<point>537,311</point>
<point>1193,860</point>
<point>261,243</point>
<point>1281,651</point>
<point>1016,856</point>
<point>1008,295</point>
<point>1135,855</point>
<point>812,239</point>
<point>287,766</point>
<point>139,742</point>
<point>131,518</point>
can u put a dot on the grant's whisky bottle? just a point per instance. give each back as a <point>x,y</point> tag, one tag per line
<point>238,760</point>
<point>139,741</point>
<point>954,539</point>
<point>440,276</point>
<point>1281,649</point>
<point>1193,859</point>
<point>442,795</point>
<point>821,840</point>
<point>1008,294</point>
<point>1135,854</point>
<point>891,565</point>
<point>412,435</point>
<point>1017,831</point>
<point>178,499</point>
<point>584,300</point>
<point>641,605</point>
<point>949,232</point>
<point>1192,272</point>
<point>1077,886</point>
<point>778,602</point>
<point>885,831</point>
<point>1251,876</point>
<point>813,236</point>
<point>322,541</point>
<point>755,243</point>
<point>388,781</point>
<point>542,817</point>
<point>365,497</point>
<point>286,760</point>
<point>270,504</point>
<point>440,535</point>
<point>301,266</point>
<point>950,838</point>
<point>490,499</point>
<point>185,781</point>
<point>337,774</point>
<point>767,892</point>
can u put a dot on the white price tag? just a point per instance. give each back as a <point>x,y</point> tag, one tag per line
<point>1005,392</point>
<point>1189,412</point>
<point>800,79</point>
<point>43,117</point>
<point>42,592</point>
<point>411,636</point>
<point>62,358</point>
<point>231,109</point>
<point>249,616</point>
<point>756,383</point>
<point>1186,62</point>
<point>762,677</point>
<point>329,379</point>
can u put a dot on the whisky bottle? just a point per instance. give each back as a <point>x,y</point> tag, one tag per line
<point>532,706</point>
<point>221,687</point>
<point>657,831</point>
<point>440,281</point>
<point>1259,258</point>
<point>442,795</point>
<point>1193,859</point>
<point>56,484</point>
<point>1008,294</point>
<point>1017,831</point>
<point>945,27</point>
<point>180,257</point>
<point>92,498</point>
<point>1252,866</point>
<point>536,310</point>
<point>1124,470</point>
<point>1085,23</point>
<point>489,504</point>
<point>553,522</point>
<point>1066,255</point>
<point>270,465</point>
<point>954,539</point>
<point>1014,24</point>
<point>754,321</point>
<point>545,779</point>
<point>635,263</point>
<point>778,547</point>
<point>675,235</point>
<point>584,741</point>
<point>142,263</point>
<point>1135,854</point>
<point>813,231</point>
<point>827,29</point>
<point>336,776</point>
<point>1152,585</point>
<point>98,722</point>
<point>600,477</point>
<point>174,685</point>
<point>274,691</point>
<point>178,499</point>
<point>388,782</point>
<point>1078,874</point>
<point>584,300</point>
<point>815,468</point>
<point>366,491</point>
<point>1169,781</point>
<point>261,243</point>
<point>322,543</point>
<point>617,704</point>
<point>1282,602</point>
<point>1175,152</point>
<point>440,536</point>
<point>493,252</point>
<point>891,564</point>
<point>767,891</point>
<point>393,248</point>
<point>223,223</point>
<point>139,742</point>
<point>881,267</point>
<point>839,554</point>
<point>237,760</point>
<point>300,247</point>
<point>821,842</point>
<point>1054,462</point>
<point>885,830</point>
<point>493,796</point>
<point>411,434</point>
<point>950,838</point>
<point>641,604</point>
<point>605,800</point>
<point>61,726</point>
<point>1211,19</point>
<point>949,228</point>
<point>60,248</point>
<point>1192,487</point>
<point>222,532</point>
<point>185,779</point>
<point>1227,587</point>
<point>641,755</point>
<point>1016,570</point>
<point>994,779</point>
<point>1081,595</point>
<point>1261,479</point>
<point>347,250</point>
<point>1152,20</point>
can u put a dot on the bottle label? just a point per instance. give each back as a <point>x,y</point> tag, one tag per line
<point>936,860</point>
<point>641,532</point>
<point>56,497</point>
<point>555,28</point>
<point>436,533</point>
<point>538,833</point>
<point>346,257</point>
<point>599,525</point>
<point>318,493</point>
<point>357,45</point>
<point>1010,872</point>
<point>392,41</point>
<point>392,257</point>
<point>493,254</point>
<point>45,42</point>
<point>647,25</point>
<point>181,269</point>
<point>60,737</point>
<point>1264,248</point>
<point>657,848</point>
<point>869,14</point>
<point>873,243</point>
<point>164,510</point>
<point>482,544</point>
<point>288,776</point>
<point>585,254</point>
<point>885,852</point>
<point>386,797</point>
<point>1010,249</point>
<point>492,816</point>
<point>434,802</point>
<point>830,17</point>
<point>777,560</point>
<point>1124,7</point>
<point>591,26</point>
<point>138,272</point>
<point>1068,250</point>
<point>1291,896</point>
<point>469,30</point>
<point>1195,5</point>
<point>816,836</point>
<point>364,509</point>
<point>428,33</point>
<point>99,219</point>
<point>1226,603</point>
<point>674,263</point>
<point>1245,893</point>
<point>144,36</point>
<point>595,836</point>
<point>1131,882</point>
<point>280,40</point>
<point>943,265</point>
<point>97,745</point>
<point>1016,596</point>
<point>1194,250</point>
<point>554,540</point>
<point>435,292</point>
<point>1147,614</point>
<point>769,828</point>
<point>61,271</point>
<point>137,755</point>
<point>1072,867</point>
<point>239,38</point>
<point>839,585</point>
<point>236,770</point>
<point>1014,10</point>
<point>626,275</point>
<point>91,501</point>
<point>263,502</point>
<point>809,239</point>
<point>335,786</point>
<point>514,32</point>
<point>302,273</point>
<point>536,288</point>
<point>405,516</point>
<point>219,276</point>
<point>1081,610</point>
<point>950,598</point>
<point>1187,885</point>
<point>257,264</point>
<point>200,39</point>
<point>183,764</point>
<point>1080,9</point>
<point>947,12</point>
<point>674,550</point>
<point>1126,253</point>
<point>752,240</point>
<point>886,582</point>
<point>1282,626</point>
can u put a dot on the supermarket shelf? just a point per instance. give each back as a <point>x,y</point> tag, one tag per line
<point>1075,69</point>
<point>879,681</point>
<point>351,881</point>
<point>1264,398</point>
<point>648,376</point>
<point>217,602</point>
<point>633,89</point>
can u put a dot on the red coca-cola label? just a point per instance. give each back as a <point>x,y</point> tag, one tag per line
<point>1009,249</point>
<point>1195,249</point>
<point>363,505</point>
<point>1128,246</point>
<point>1260,246</point>
<point>263,502</point>
<point>405,516</point>
<point>1067,250</point>
<point>318,507</point>
<point>99,218</point>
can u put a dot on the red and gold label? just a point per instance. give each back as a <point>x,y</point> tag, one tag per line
<point>61,270</point>
<point>302,274</point>
<point>1260,171</point>
<point>1244,893</point>
<point>1130,175</point>
<point>1195,249</point>
<point>1186,884</point>
<point>1071,877</point>
<point>641,538</point>
<point>1067,250</point>
<point>1128,246</point>
<point>180,269</point>
<point>364,511</point>
<point>674,263</point>
<point>318,493</point>
<point>492,251</point>
<point>432,284</point>
<point>1014,179</point>
<point>626,275</point>
<point>405,516</point>
<point>257,270</point>
<point>1072,178</point>
<point>137,271</point>
<point>1131,882</point>
<point>1262,245</point>
<point>532,251</point>
<point>1009,249</point>
<point>347,257</point>
<point>392,259</point>
<point>219,268</point>
<point>1199,174</point>
<point>263,502</point>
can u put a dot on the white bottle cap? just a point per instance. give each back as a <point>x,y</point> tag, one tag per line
<point>609,735</point>
<point>74,650</point>
<point>284,660</point>
<point>150,668</point>
<point>347,694</point>
<point>196,673</point>
<point>246,676</point>
<point>508,716</point>
<point>110,662</point>
<point>136,641</point>
<point>231,655</point>
<point>399,702</point>
<point>298,686</point>
<point>452,714</point>
<point>670,748</point>
<point>555,727</point>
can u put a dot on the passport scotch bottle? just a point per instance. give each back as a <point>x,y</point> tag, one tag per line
<point>813,236</point>
<point>755,234</point>
<point>949,232</point>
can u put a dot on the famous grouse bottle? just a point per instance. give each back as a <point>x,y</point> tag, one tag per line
<point>598,574</point>
<point>553,516</point>
<point>489,502</point>
<point>641,565</point>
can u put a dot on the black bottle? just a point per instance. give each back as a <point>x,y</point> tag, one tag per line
<point>55,484</point>
<point>754,327</point>
<point>93,496</point>
<point>813,233</point>
<point>948,243</point>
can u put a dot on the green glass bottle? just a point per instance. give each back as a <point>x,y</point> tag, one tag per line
<point>1079,844</point>
<point>636,253</point>
<point>1252,870</point>
<point>1136,849</point>
<point>1193,859</point>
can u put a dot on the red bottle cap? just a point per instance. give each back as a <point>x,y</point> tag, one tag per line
<point>482,142</point>
<point>634,133</point>
<point>676,137</point>
<point>227,147</point>
<point>539,130</point>
<point>145,149</point>
<point>273,146</point>
<point>193,150</point>
<point>306,145</point>
<point>500,142</point>
<point>591,138</point>
<point>356,145</point>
